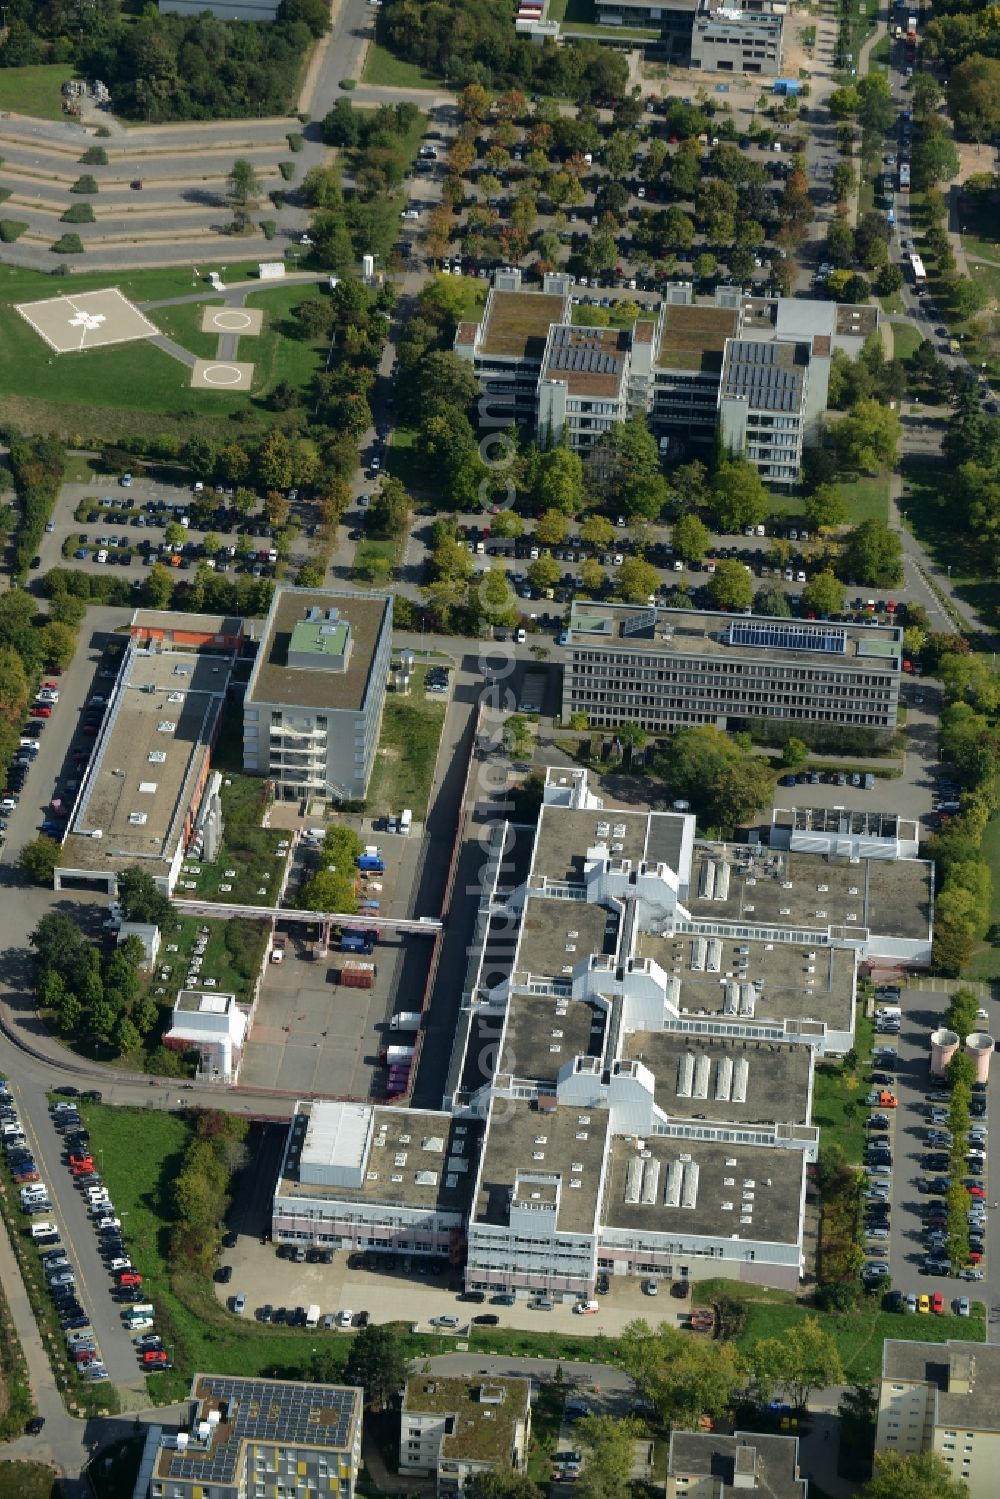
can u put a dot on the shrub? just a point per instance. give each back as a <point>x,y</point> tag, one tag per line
<point>85,184</point>
<point>295,141</point>
<point>269,228</point>
<point>103,131</point>
<point>69,244</point>
<point>278,198</point>
<point>347,84</point>
<point>4,194</point>
<point>287,170</point>
<point>10,230</point>
<point>79,213</point>
<point>94,156</point>
<point>37,464</point>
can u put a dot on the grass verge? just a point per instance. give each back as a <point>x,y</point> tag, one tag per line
<point>839,1093</point>
<point>384,70</point>
<point>905,338</point>
<point>36,89</point>
<point>931,518</point>
<point>407,752</point>
<point>31,1481</point>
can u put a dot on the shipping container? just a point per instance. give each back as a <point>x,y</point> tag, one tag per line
<point>397,1055</point>
<point>406,1020</point>
<point>357,975</point>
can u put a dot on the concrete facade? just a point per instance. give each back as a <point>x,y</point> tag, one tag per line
<point>313,706</point>
<point>455,1428</point>
<point>941,1397</point>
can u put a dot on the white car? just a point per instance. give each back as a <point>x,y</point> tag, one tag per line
<point>410,213</point>
<point>520,636</point>
<point>345,1318</point>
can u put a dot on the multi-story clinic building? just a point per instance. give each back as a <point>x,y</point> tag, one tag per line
<point>457,1428</point>
<point>256,1439</point>
<point>942,1397</point>
<point>755,370</point>
<point>666,667</point>
<point>313,706</point>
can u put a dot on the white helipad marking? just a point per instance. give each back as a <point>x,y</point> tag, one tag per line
<point>232,320</point>
<point>216,374</point>
<point>88,321</point>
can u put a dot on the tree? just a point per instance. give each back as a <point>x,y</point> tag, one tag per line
<point>935,159</point>
<point>691,538</point>
<point>730,586</point>
<point>59,944</point>
<point>142,900</point>
<point>974,97</point>
<point>872,554</point>
<point>623,459</point>
<point>684,1379</point>
<point>598,532</point>
<point>824,593</point>
<point>738,498</point>
<point>174,534</point>
<point>378,1363</point>
<point>58,645</point>
<point>474,102</point>
<point>551,528</point>
<point>496,599</point>
<point>803,1359</point>
<point>40,858</point>
<point>609,1442</point>
<point>558,481</point>
<point>243,192</point>
<point>773,601</point>
<point>826,508</point>
<point>593,578</point>
<point>637,580</point>
<point>390,510</point>
<point>868,436</point>
<point>915,1475</point>
<point>543,573</point>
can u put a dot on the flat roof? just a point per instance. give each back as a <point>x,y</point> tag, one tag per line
<point>564,1141</point>
<point>485,1412</point>
<point>778,1076</point>
<point>199,1002</point>
<point>516,323</point>
<point>274,681</point>
<point>565,834</point>
<point>690,632</point>
<point>544,1032</point>
<point>793,981</point>
<point>437,1171</point>
<point>556,935</point>
<point>730,1184</point>
<point>816,891</point>
<point>865,823</point>
<point>174,621</point>
<point>730,1462</point>
<point>694,337</point>
<point>941,1365</point>
<point>770,376</point>
<point>148,761</point>
<point>274,1412</point>
<point>855,319</point>
<point>588,361</point>
<point>320,638</point>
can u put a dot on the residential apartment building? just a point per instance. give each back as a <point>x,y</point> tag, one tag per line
<point>455,1428</point>
<point>666,667</point>
<point>942,1397</point>
<point>708,1465</point>
<point>313,706</point>
<point>251,1437</point>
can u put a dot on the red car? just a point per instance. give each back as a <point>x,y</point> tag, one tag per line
<point>975,1255</point>
<point>51,686</point>
<point>975,1191</point>
<point>937,1304</point>
<point>128,1278</point>
<point>154,1356</point>
<point>84,1168</point>
<point>40,713</point>
<point>90,730</point>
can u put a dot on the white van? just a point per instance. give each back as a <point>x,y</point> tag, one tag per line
<point>43,1230</point>
<point>312,1316</point>
<point>102,556</point>
<point>405,820</point>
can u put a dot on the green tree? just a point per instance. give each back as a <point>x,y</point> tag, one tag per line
<point>826,508</point>
<point>935,159</point>
<point>558,481</point>
<point>974,97</point>
<point>507,524</point>
<point>917,1475</point>
<point>960,1015</point>
<point>40,858</point>
<point>637,580</point>
<point>868,436</point>
<point>609,1442</point>
<point>803,1359</point>
<point>730,586</point>
<point>795,753</point>
<point>682,1377</point>
<point>378,1363</point>
<point>773,601</point>
<point>496,599</point>
<point>691,538</point>
<point>738,496</point>
<point>243,191</point>
<point>390,510</point>
<point>501,1483</point>
<point>872,554</point>
<point>824,593</point>
<point>330,890</point>
<point>551,528</point>
<point>58,645</point>
<point>543,573</point>
<point>593,578</point>
<point>142,900</point>
<point>59,945</point>
<point>598,532</point>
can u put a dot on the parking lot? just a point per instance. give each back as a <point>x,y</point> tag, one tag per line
<point>104,525</point>
<point>914,1160</point>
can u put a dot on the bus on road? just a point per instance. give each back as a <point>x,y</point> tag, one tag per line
<point>917,268</point>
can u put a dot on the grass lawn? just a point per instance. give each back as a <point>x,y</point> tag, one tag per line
<point>183,323</point>
<point>385,71</point>
<point>894,304</point>
<point>407,751</point>
<point>36,89</point>
<point>401,461</point>
<point>905,338</point>
<point>838,1101</point>
<point>31,1480</point>
<point>375,560</point>
<point>866,497</point>
<point>136,389</point>
<point>249,860</point>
